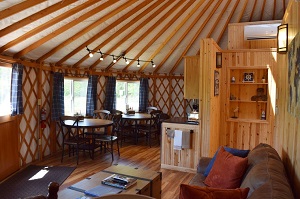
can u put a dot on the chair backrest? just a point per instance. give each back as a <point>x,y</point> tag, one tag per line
<point>164,116</point>
<point>69,132</point>
<point>101,114</point>
<point>125,196</point>
<point>151,108</point>
<point>116,112</point>
<point>155,117</point>
<point>116,118</point>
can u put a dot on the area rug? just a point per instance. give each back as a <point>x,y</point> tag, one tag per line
<point>33,180</point>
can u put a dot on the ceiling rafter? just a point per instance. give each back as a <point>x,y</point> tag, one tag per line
<point>87,29</point>
<point>262,10</point>
<point>196,35</point>
<point>186,32</point>
<point>102,32</point>
<point>46,25</point>
<point>229,18</point>
<point>168,3</point>
<point>150,29</point>
<point>18,8</point>
<point>62,29</point>
<point>243,11</point>
<point>253,9</point>
<point>34,17</point>
<point>173,33</point>
<point>161,32</point>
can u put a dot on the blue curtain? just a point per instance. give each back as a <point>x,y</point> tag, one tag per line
<point>110,95</point>
<point>91,96</point>
<point>16,89</point>
<point>144,90</point>
<point>58,106</point>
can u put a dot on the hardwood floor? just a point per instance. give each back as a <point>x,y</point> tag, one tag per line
<point>140,156</point>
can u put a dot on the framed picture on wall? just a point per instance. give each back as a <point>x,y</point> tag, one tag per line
<point>216,83</point>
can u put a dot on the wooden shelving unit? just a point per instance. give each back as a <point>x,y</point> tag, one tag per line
<point>247,94</point>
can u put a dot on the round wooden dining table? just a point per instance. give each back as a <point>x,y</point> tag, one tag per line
<point>91,123</point>
<point>136,118</point>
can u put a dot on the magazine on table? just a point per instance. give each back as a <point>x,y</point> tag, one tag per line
<point>119,181</point>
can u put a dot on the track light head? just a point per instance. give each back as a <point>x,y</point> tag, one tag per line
<point>114,59</point>
<point>91,54</point>
<point>126,60</point>
<point>153,65</point>
<point>138,64</point>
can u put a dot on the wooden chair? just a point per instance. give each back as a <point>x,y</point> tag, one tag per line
<point>108,140</point>
<point>72,137</point>
<point>151,128</point>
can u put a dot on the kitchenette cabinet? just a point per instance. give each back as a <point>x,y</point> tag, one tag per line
<point>185,159</point>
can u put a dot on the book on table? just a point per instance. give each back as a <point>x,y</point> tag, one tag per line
<point>119,181</point>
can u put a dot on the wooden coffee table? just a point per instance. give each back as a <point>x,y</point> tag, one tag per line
<point>148,182</point>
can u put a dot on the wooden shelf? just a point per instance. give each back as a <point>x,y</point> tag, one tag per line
<point>247,120</point>
<point>248,101</point>
<point>248,83</point>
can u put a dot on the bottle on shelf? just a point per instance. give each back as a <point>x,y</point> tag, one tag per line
<point>263,115</point>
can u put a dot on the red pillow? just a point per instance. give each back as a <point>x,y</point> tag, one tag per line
<point>192,192</point>
<point>227,171</point>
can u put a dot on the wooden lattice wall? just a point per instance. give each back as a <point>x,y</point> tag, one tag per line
<point>165,92</point>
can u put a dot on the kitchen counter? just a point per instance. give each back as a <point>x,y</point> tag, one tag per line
<point>180,120</point>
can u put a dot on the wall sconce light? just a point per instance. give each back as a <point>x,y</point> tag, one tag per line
<point>282,38</point>
<point>218,60</point>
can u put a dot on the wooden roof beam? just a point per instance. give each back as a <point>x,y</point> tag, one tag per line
<point>150,29</point>
<point>89,28</point>
<point>173,33</point>
<point>132,32</point>
<point>188,30</point>
<point>262,10</point>
<point>198,33</point>
<point>101,33</point>
<point>18,8</point>
<point>34,17</point>
<point>62,29</point>
<point>46,25</point>
<point>253,9</point>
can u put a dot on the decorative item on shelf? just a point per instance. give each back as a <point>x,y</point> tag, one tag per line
<point>282,38</point>
<point>232,97</point>
<point>79,116</point>
<point>259,95</point>
<point>233,80</point>
<point>248,77</point>
<point>235,112</point>
<point>216,83</point>
<point>218,60</point>
<point>263,115</point>
<point>263,79</point>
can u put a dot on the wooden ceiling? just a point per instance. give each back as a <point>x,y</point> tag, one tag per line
<point>56,33</point>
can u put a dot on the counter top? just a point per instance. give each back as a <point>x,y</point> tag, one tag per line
<point>180,120</point>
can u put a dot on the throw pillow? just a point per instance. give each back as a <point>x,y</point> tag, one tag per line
<point>233,151</point>
<point>227,171</point>
<point>191,192</point>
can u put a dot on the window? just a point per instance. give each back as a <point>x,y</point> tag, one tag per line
<point>5,85</point>
<point>127,93</point>
<point>75,96</point>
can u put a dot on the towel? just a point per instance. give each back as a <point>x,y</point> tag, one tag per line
<point>170,133</point>
<point>182,140</point>
<point>178,140</point>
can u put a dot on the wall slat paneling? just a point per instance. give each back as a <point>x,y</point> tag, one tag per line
<point>287,126</point>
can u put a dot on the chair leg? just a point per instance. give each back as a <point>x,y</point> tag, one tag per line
<point>62,154</point>
<point>77,152</point>
<point>112,150</point>
<point>118,147</point>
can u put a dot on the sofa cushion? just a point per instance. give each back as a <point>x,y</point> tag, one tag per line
<point>233,151</point>
<point>266,175</point>
<point>191,192</point>
<point>227,171</point>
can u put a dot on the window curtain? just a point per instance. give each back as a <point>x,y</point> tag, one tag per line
<point>144,90</point>
<point>110,95</point>
<point>16,89</point>
<point>91,96</point>
<point>58,106</point>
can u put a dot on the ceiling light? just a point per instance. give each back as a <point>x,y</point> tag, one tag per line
<point>91,54</point>
<point>101,58</point>
<point>138,65</point>
<point>153,65</point>
<point>126,60</point>
<point>114,59</point>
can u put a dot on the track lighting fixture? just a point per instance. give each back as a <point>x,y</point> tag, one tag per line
<point>115,58</point>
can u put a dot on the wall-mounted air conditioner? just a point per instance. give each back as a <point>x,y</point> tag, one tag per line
<point>260,31</point>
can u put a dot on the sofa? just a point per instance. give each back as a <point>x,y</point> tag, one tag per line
<point>265,174</point>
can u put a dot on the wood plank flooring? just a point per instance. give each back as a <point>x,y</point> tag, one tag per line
<point>140,156</point>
